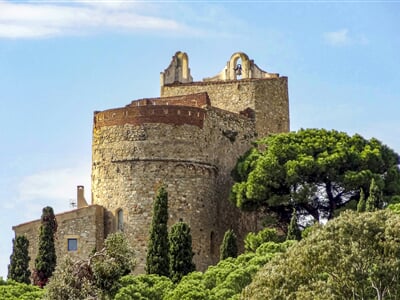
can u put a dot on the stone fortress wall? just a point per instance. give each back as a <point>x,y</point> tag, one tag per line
<point>131,161</point>
<point>189,140</point>
<point>85,224</point>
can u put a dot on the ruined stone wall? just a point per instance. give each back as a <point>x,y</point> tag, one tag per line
<point>130,162</point>
<point>267,97</point>
<point>84,224</point>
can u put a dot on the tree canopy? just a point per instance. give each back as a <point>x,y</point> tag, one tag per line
<point>45,261</point>
<point>315,171</point>
<point>354,256</point>
<point>180,251</point>
<point>157,259</point>
<point>229,246</point>
<point>18,269</point>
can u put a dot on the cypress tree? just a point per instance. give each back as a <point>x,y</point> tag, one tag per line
<point>157,260</point>
<point>294,232</point>
<point>180,251</point>
<point>229,245</point>
<point>45,261</point>
<point>361,203</point>
<point>18,269</point>
<point>374,201</point>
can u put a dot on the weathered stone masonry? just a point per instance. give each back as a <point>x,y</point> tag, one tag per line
<point>189,139</point>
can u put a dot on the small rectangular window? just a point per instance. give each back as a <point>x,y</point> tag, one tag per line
<point>72,244</point>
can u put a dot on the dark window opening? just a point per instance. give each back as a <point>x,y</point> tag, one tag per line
<point>72,244</point>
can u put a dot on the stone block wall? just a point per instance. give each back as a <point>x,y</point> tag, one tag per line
<point>84,224</point>
<point>268,97</point>
<point>130,162</point>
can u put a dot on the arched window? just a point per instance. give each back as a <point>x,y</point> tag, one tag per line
<point>120,220</point>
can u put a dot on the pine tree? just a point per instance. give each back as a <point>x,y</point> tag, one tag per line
<point>180,251</point>
<point>374,201</point>
<point>18,269</point>
<point>157,261</point>
<point>294,232</point>
<point>229,245</point>
<point>361,203</point>
<point>45,261</point>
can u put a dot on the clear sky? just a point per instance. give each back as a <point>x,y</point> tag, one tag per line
<point>62,60</point>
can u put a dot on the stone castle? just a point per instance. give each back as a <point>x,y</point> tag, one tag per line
<point>188,140</point>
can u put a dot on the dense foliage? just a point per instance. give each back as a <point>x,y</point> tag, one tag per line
<point>229,246</point>
<point>45,261</point>
<point>223,281</point>
<point>18,269</point>
<point>355,256</point>
<point>180,251</point>
<point>293,232</point>
<point>142,287</point>
<point>254,240</point>
<point>157,261</point>
<point>11,290</point>
<point>314,171</point>
<point>93,278</point>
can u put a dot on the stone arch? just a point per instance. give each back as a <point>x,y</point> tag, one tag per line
<point>245,63</point>
<point>183,62</point>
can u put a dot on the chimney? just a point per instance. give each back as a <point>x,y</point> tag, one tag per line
<point>80,196</point>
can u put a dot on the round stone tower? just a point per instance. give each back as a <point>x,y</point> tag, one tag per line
<point>181,142</point>
<point>188,143</point>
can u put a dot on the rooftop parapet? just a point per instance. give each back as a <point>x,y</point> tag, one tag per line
<point>246,69</point>
<point>178,110</point>
<point>193,100</point>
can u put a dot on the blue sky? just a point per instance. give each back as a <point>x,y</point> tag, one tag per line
<point>62,60</point>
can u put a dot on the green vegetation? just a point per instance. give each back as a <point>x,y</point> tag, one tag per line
<point>294,232</point>
<point>96,277</point>
<point>361,202</point>
<point>254,240</point>
<point>374,201</point>
<point>152,287</point>
<point>45,261</point>
<point>12,290</point>
<point>180,251</point>
<point>315,171</point>
<point>229,246</point>
<point>300,178</point>
<point>355,256</point>
<point>157,261</point>
<point>18,269</point>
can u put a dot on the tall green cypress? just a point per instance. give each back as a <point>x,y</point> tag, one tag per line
<point>229,245</point>
<point>374,201</point>
<point>361,203</point>
<point>45,261</point>
<point>180,251</point>
<point>18,269</point>
<point>294,232</point>
<point>157,261</point>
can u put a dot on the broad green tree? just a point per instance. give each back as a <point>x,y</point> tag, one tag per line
<point>45,261</point>
<point>18,269</point>
<point>180,251</point>
<point>157,260</point>
<point>229,246</point>
<point>354,256</point>
<point>314,170</point>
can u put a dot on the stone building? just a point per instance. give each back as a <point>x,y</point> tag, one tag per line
<point>189,140</point>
